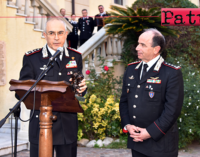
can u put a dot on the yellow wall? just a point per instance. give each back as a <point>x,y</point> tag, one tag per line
<point>19,38</point>
<point>196,2</point>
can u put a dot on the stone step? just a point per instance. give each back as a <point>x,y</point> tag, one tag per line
<point>6,128</point>
<point>6,146</point>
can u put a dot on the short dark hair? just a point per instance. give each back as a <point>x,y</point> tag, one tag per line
<point>158,39</point>
<point>62,9</point>
<point>84,10</point>
<point>100,6</point>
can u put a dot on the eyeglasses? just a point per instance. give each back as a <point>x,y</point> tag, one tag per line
<point>53,34</point>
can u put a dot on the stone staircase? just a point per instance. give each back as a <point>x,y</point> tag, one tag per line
<point>5,138</point>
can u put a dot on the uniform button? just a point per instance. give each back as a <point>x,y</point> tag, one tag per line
<point>59,73</point>
<point>136,96</point>
<point>134,117</point>
<point>36,116</point>
<point>138,86</point>
<point>134,106</point>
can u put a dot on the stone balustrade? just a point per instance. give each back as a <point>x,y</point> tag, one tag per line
<point>100,44</point>
<point>36,12</point>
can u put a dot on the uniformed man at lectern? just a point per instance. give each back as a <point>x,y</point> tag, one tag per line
<point>65,128</point>
<point>86,26</point>
<point>151,100</point>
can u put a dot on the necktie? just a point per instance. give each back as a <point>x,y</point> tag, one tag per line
<point>58,60</point>
<point>145,66</point>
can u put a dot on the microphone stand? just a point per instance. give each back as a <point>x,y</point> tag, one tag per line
<point>16,108</point>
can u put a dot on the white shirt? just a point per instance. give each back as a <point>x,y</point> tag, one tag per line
<point>85,17</point>
<point>74,22</point>
<point>53,52</point>
<point>150,64</point>
<point>102,13</point>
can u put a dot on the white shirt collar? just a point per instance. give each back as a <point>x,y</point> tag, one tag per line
<point>151,62</point>
<point>73,21</point>
<point>103,13</point>
<point>53,51</point>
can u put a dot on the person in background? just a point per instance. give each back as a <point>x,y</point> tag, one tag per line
<point>86,26</point>
<point>151,100</point>
<point>62,12</point>
<point>99,17</point>
<point>72,38</point>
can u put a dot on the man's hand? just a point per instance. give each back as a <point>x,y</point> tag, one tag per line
<point>132,129</point>
<point>82,86</point>
<point>140,137</point>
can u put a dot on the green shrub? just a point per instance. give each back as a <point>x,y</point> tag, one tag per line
<point>101,107</point>
<point>188,121</point>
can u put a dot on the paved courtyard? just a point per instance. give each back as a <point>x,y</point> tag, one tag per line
<point>192,151</point>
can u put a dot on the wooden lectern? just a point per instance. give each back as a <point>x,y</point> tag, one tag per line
<point>50,96</point>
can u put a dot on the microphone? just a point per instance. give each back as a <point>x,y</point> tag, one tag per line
<point>59,50</point>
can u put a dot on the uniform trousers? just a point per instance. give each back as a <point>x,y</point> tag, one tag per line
<point>67,150</point>
<point>137,154</point>
<point>73,43</point>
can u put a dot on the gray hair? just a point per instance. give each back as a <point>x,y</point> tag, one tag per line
<point>58,19</point>
<point>158,39</point>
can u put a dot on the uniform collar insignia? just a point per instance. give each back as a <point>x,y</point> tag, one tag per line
<point>44,51</point>
<point>45,54</point>
<point>137,67</point>
<point>158,64</point>
<point>66,52</point>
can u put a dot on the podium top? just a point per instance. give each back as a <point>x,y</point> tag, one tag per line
<point>58,94</point>
<point>42,86</point>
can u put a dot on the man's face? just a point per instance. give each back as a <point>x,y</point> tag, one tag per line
<point>144,49</point>
<point>84,13</point>
<point>62,12</point>
<point>73,17</point>
<point>55,34</point>
<point>101,9</point>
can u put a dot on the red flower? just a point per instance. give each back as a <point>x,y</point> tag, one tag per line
<point>87,72</point>
<point>106,68</point>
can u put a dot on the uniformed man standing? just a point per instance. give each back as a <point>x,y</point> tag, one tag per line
<point>62,12</point>
<point>65,128</point>
<point>99,17</point>
<point>86,26</point>
<point>151,100</point>
<point>72,38</point>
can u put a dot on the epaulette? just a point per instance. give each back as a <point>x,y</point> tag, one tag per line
<point>172,66</point>
<point>32,52</point>
<point>73,50</point>
<point>134,63</point>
